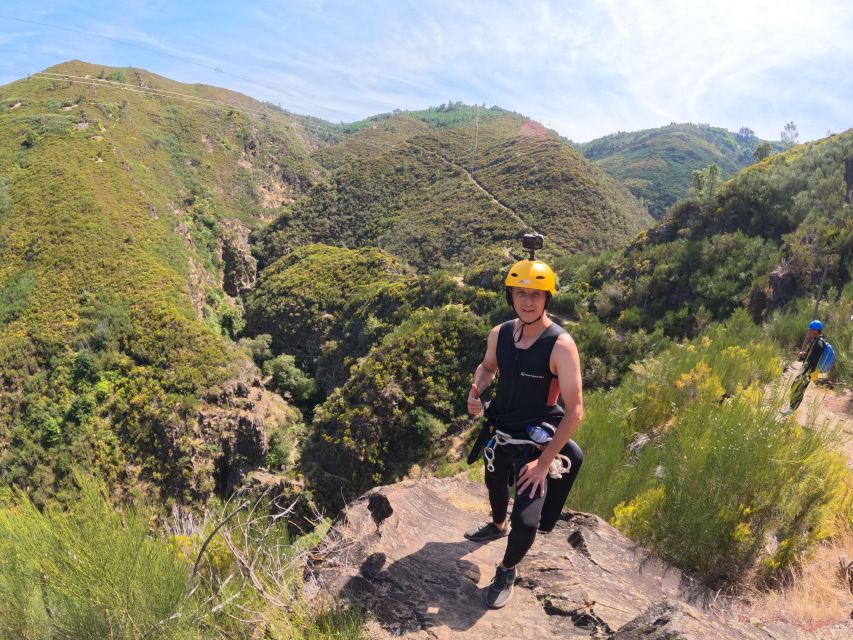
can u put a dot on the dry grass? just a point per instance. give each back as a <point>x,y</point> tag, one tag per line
<point>820,593</point>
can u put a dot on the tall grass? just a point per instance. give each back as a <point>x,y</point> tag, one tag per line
<point>98,571</point>
<point>689,457</point>
<point>90,572</point>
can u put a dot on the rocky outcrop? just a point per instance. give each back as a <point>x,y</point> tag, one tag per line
<point>398,553</point>
<point>240,269</point>
<point>786,282</point>
<point>234,421</point>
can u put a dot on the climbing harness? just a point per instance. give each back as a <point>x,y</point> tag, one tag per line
<point>560,465</point>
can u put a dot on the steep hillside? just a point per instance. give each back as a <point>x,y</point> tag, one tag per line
<point>765,238</point>
<point>657,164</point>
<point>445,194</point>
<point>125,203</point>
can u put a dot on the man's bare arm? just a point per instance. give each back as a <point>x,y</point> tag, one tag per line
<point>568,369</point>
<point>484,374</point>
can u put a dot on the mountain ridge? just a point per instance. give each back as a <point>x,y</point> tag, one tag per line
<point>657,164</point>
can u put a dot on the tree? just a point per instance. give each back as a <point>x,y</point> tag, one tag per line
<point>790,134</point>
<point>705,183</point>
<point>746,135</point>
<point>762,151</point>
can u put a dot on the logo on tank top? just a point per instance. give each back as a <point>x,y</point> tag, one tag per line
<point>524,374</point>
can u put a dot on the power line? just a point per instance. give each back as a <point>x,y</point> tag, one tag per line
<point>164,93</point>
<point>118,83</point>
<point>144,48</point>
<point>109,84</point>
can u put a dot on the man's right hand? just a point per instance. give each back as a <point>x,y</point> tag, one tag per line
<point>475,405</point>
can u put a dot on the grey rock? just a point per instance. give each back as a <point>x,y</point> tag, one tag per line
<point>398,554</point>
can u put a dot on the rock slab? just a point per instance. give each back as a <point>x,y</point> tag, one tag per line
<point>399,554</point>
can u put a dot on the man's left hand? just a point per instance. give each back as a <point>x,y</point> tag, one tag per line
<point>533,475</point>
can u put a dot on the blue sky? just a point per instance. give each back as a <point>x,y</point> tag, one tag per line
<point>583,67</point>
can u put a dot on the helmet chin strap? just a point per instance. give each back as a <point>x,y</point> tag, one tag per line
<point>520,331</point>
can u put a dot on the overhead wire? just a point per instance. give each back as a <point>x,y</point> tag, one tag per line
<point>150,91</point>
<point>302,122</point>
<point>144,48</point>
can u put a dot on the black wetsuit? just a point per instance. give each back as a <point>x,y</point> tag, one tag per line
<point>524,384</point>
<point>812,357</point>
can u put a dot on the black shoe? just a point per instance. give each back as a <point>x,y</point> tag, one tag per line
<point>488,531</point>
<point>500,591</point>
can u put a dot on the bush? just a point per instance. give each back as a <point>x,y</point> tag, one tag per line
<point>15,293</point>
<point>399,400</point>
<point>91,572</point>
<point>5,199</point>
<point>100,570</point>
<point>691,463</point>
<point>290,381</point>
<point>732,475</point>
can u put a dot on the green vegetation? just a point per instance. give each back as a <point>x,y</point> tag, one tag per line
<point>657,164</point>
<point>451,114</point>
<point>112,213</point>
<point>294,299</point>
<point>121,215</point>
<point>692,461</point>
<point>432,197</point>
<point>760,240</point>
<point>98,571</point>
<point>788,329</point>
<point>398,403</point>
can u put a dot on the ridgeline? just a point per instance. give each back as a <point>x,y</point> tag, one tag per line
<point>657,165</point>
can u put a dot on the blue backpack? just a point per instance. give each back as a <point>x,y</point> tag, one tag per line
<point>827,358</point>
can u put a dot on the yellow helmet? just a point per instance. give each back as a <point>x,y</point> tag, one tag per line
<point>531,274</point>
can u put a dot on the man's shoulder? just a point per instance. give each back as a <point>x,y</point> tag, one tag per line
<point>508,325</point>
<point>494,332</point>
<point>565,338</point>
<point>564,343</point>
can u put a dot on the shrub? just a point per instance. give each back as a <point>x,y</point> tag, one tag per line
<point>289,380</point>
<point>15,293</point>
<point>732,475</point>
<point>91,572</point>
<point>101,570</point>
<point>5,199</point>
<point>398,401</point>
<point>691,463</point>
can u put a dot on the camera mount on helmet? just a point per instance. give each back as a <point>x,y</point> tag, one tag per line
<point>532,242</point>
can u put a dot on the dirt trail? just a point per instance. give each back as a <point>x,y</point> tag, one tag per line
<point>476,184</point>
<point>825,407</point>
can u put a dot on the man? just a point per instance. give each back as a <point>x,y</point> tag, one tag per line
<point>810,358</point>
<point>538,362</point>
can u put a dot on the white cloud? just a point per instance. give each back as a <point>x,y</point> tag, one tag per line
<point>589,67</point>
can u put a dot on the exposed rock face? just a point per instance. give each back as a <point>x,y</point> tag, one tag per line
<point>784,283</point>
<point>398,552</point>
<point>240,267</point>
<point>234,419</point>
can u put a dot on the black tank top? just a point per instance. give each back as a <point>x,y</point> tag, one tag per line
<point>524,378</point>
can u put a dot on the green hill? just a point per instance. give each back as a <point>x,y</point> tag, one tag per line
<point>657,164</point>
<point>444,194</point>
<point>122,210</point>
<point>762,240</point>
<point>127,204</point>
